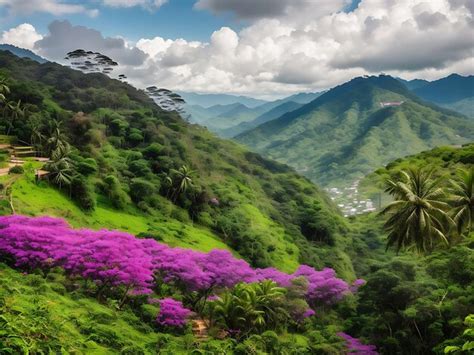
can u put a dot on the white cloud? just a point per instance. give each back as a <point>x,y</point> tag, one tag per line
<point>282,51</point>
<point>64,37</point>
<point>54,7</point>
<point>23,36</point>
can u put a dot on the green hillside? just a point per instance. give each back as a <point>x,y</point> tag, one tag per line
<point>345,133</point>
<point>118,161</point>
<point>125,150</point>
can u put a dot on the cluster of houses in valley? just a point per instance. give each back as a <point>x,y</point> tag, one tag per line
<point>349,200</point>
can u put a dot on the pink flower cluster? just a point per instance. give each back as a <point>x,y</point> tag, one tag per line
<point>172,313</point>
<point>356,347</point>
<point>113,258</point>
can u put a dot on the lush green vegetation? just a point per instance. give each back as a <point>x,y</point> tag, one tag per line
<point>345,133</point>
<point>117,154</point>
<point>119,162</point>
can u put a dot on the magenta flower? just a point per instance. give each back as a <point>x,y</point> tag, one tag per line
<point>356,347</point>
<point>172,313</point>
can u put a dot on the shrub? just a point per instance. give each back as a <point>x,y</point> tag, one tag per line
<point>17,169</point>
<point>140,189</point>
<point>82,193</point>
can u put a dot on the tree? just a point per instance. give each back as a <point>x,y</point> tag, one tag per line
<point>57,140</point>
<point>418,216</point>
<point>251,308</point>
<point>462,192</point>
<point>60,167</point>
<point>182,180</point>
<point>4,89</point>
<point>16,112</point>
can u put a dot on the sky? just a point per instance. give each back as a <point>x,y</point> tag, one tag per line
<point>259,48</point>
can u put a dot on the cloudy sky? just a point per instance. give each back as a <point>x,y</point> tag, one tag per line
<point>261,48</point>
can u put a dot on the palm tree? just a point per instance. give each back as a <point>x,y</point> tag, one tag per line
<point>183,180</point>
<point>16,111</point>
<point>4,89</point>
<point>462,192</point>
<point>60,167</point>
<point>36,136</point>
<point>251,307</point>
<point>57,140</point>
<point>418,216</point>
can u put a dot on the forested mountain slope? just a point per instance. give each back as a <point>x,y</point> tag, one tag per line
<point>356,127</point>
<point>128,156</point>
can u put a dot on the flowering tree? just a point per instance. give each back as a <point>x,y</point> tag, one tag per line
<point>120,263</point>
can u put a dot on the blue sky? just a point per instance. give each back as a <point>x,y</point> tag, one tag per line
<point>174,19</point>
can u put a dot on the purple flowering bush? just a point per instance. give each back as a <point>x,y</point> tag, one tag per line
<point>354,346</point>
<point>172,313</point>
<point>115,261</point>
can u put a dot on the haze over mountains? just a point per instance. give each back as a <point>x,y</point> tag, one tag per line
<point>356,127</point>
<point>240,113</point>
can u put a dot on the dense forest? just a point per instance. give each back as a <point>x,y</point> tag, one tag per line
<point>148,234</point>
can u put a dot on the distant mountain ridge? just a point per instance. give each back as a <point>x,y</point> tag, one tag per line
<point>346,132</point>
<point>208,100</point>
<point>229,120</point>
<point>455,92</point>
<point>22,53</point>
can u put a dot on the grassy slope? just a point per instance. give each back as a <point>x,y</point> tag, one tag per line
<point>38,309</point>
<point>345,134</point>
<point>32,199</point>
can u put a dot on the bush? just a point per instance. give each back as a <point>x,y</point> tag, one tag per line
<point>17,169</point>
<point>140,189</point>
<point>82,193</point>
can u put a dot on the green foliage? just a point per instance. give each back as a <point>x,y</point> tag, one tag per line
<point>418,216</point>
<point>17,169</point>
<point>467,336</point>
<point>82,193</point>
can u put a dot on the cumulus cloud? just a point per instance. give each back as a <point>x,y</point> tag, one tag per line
<point>54,7</point>
<point>23,36</point>
<point>64,37</point>
<point>281,52</point>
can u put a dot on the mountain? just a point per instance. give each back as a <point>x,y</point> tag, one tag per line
<point>208,100</point>
<point>22,53</point>
<point>356,127</point>
<point>455,92</point>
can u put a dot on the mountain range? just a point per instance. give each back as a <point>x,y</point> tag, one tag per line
<point>229,120</point>
<point>356,127</point>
